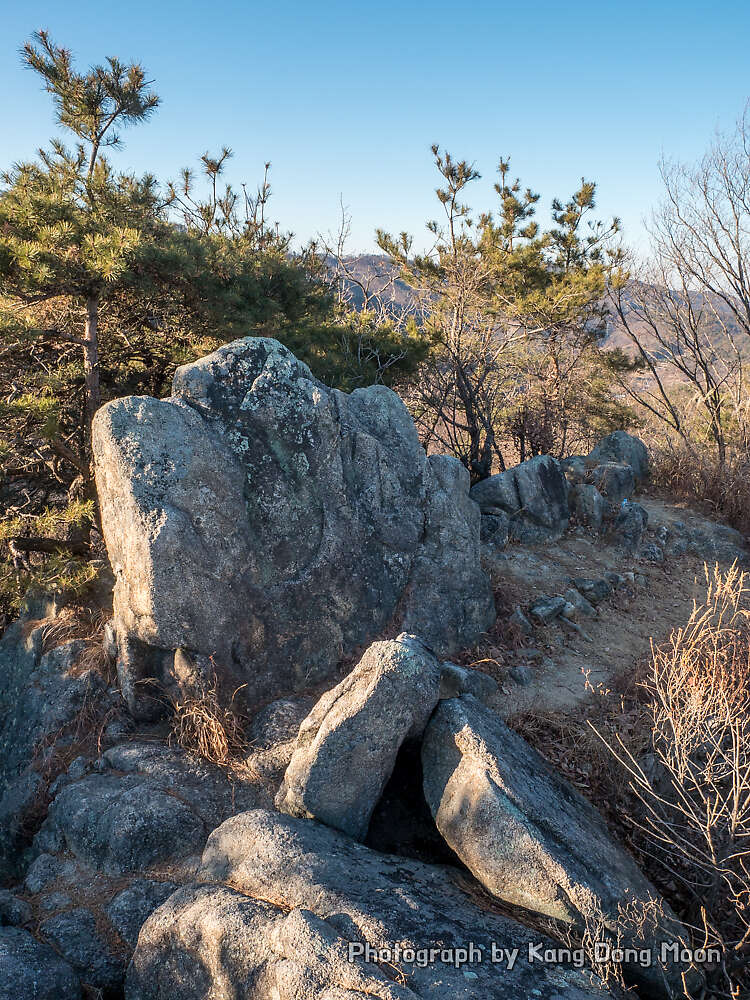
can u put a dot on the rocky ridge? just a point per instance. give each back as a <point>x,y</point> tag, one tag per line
<point>143,872</point>
<point>262,523</point>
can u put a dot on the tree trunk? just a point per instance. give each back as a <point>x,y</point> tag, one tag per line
<point>91,360</point>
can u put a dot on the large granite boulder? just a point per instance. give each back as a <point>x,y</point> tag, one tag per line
<point>575,468</point>
<point>625,449</point>
<point>258,518</point>
<point>286,908</point>
<point>347,747</point>
<point>588,506</point>
<point>147,805</point>
<point>75,936</point>
<point>14,912</point>
<point>531,839</point>
<point>533,494</point>
<point>628,528</point>
<point>47,699</point>
<point>448,601</point>
<point>614,480</point>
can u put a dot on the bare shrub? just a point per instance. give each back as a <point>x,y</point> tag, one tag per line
<point>695,474</point>
<point>694,788</point>
<point>205,726</point>
<point>599,940</point>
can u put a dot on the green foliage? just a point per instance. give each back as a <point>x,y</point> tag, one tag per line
<point>59,573</point>
<point>109,281</point>
<point>64,569</point>
<point>93,105</point>
<point>516,314</point>
<point>53,521</point>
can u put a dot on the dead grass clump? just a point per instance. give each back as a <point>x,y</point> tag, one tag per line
<point>94,657</point>
<point>72,622</point>
<point>206,727</point>
<point>83,624</point>
<point>695,475</point>
<point>492,652</point>
<point>693,799</point>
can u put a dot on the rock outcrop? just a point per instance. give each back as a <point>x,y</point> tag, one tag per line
<point>614,480</point>
<point>338,897</point>
<point>264,521</point>
<point>629,526</point>
<point>74,935</point>
<point>456,680</point>
<point>145,805</point>
<point>347,746</point>
<point>447,601</point>
<point>40,700</point>
<point>588,505</point>
<point>530,838</point>
<point>625,449</point>
<point>534,497</point>
<point>30,970</point>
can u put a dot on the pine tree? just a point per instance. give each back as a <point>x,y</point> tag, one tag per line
<point>71,226</point>
<point>516,315</point>
<point>108,281</point>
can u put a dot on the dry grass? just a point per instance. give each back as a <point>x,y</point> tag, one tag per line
<point>494,649</point>
<point>93,657</point>
<point>72,622</point>
<point>665,755</point>
<point>694,475</point>
<point>692,804</point>
<point>81,623</point>
<point>206,727</point>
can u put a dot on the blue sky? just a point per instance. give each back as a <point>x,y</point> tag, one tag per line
<point>345,98</point>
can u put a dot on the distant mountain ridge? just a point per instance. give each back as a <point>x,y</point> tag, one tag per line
<point>373,270</point>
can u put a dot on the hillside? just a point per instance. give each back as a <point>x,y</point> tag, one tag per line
<point>374,271</point>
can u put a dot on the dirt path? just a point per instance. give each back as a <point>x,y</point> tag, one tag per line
<point>564,666</point>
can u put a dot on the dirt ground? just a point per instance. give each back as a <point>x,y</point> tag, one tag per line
<point>564,666</point>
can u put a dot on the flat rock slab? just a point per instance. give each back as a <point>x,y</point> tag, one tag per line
<point>261,519</point>
<point>289,898</point>
<point>526,834</point>
<point>347,747</point>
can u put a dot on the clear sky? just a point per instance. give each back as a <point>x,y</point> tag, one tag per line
<point>345,98</point>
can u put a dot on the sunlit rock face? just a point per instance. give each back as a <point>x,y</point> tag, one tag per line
<point>266,525</point>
